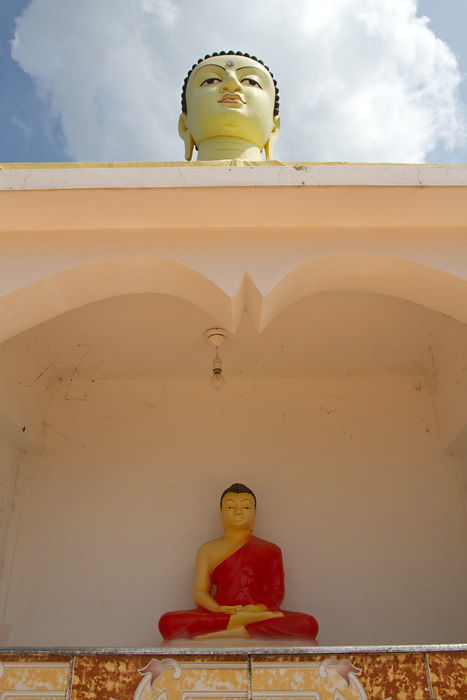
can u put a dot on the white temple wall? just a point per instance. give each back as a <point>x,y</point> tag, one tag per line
<point>354,487</point>
<point>23,407</point>
<point>73,236</point>
<point>23,394</point>
<point>9,466</point>
<point>450,395</point>
<point>116,481</point>
<point>462,481</point>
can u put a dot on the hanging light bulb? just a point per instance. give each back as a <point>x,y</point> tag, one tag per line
<point>216,336</point>
<point>217,380</point>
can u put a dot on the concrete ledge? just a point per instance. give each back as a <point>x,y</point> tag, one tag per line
<point>234,648</point>
<point>348,673</point>
<point>289,175</point>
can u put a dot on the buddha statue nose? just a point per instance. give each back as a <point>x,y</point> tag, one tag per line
<point>232,84</point>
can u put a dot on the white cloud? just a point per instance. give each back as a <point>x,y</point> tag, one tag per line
<point>164,10</point>
<point>360,80</point>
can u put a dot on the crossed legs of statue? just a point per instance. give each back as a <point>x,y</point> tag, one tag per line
<point>238,622</point>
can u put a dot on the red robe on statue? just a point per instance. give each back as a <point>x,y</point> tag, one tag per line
<point>252,575</point>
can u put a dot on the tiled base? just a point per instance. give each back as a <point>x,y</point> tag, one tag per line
<point>349,677</point>
<point>38,677</point>
<point>449,675</point>
<point>169,678</point>
<point>235,675</point>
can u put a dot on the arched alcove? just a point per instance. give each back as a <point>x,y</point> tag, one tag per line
<point>332,404</point>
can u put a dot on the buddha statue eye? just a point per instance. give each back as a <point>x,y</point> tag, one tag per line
<point>210,81</point>
<point>252,82</point>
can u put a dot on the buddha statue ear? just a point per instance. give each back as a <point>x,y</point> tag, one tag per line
<point>253,523</point>
<point>185,134</point>
<point>269,147</point>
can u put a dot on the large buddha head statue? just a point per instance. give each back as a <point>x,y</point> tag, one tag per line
<point>230,108</point>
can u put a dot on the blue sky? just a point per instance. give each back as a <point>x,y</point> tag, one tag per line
<point>448,19</point>
<point>360,80</point>
<point>26,133</point>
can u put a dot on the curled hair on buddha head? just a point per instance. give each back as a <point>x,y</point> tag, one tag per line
<point>238,488</point>
<point>229,53</point>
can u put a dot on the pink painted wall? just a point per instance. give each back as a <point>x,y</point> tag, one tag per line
<point>351,481</point>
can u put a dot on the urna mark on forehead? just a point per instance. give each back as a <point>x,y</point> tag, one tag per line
<point>229,60</point>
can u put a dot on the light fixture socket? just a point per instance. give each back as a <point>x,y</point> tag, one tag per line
<point>215,336</point>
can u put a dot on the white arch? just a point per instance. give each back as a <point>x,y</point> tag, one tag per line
<point>67,290</point>
<point>378,274</point>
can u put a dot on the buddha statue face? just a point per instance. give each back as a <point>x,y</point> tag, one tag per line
<point>238,511</point>
<point>230,97</point>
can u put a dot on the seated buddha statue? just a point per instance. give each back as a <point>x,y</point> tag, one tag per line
<point>248,575</point>
<point>230,108</point>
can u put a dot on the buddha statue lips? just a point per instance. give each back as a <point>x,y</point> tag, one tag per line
<point>248,575</point>
<point>232,99</point>
<point>236,85</point>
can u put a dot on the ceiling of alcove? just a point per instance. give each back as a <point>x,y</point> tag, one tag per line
<point>158,336</point>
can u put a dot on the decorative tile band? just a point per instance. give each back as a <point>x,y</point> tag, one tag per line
<point>433,675</point>
<point>22,680</point>
<point>448,675</point>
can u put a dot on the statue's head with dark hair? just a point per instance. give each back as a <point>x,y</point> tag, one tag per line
<point>230,108</point>
<point>229,53</point>
<point>238,488</point>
